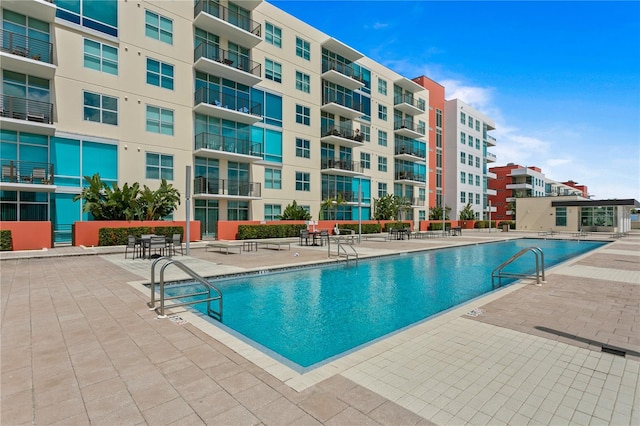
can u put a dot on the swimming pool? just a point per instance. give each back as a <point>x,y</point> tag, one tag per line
<point>310,315</point>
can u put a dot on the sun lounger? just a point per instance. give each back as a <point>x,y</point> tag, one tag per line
<point>224,247</point>
<point>274,244</point>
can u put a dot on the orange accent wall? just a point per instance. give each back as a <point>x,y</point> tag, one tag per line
<point>29,235</point>
<point>86,233</point>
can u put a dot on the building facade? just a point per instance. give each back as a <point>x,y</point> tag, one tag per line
<point>262,107</point>
<point>466,178</point>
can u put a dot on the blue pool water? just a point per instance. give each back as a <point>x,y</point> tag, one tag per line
<point>310,315</point>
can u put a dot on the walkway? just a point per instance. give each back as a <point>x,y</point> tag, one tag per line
<point>79,346</point>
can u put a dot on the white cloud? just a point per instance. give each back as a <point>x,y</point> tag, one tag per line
<point>379,25</point>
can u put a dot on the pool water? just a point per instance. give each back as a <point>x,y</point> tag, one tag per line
<point>312,314</point>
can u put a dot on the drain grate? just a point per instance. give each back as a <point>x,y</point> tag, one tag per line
<point>614,351</point>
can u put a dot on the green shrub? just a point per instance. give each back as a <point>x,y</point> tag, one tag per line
<point>511,223</point>
<point>483,224</point>
<point>395,225</point>
<point>246,232</point>
<point>367,228</point>
<point>437,226</point>
<point>168,231</point>
<point>6,243</point>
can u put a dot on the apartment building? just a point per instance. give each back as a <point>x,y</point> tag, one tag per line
<point>466,177</point>
<point>262,107</point>
<point>514,181</point>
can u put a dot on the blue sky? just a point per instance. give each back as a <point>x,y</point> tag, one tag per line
<point>561,79</point>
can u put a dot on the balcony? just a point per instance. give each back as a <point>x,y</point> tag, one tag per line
<point>43,10</point>
<point>336,166</point>
<point>409,85</point>
<point>217,19</point>
<point>26,115</point>
<point>407,104</point>
<point>26,55</point>
<point>510,199</point>
<point>492,192</point>
<point>407,129</point>
<point>211,59</point>
<point>410,152</point>
<point>27,176</point>
<point>348,196</point>
<point>217,146</point>
<point>341,135</point>
<point>410,176</point>
<point>341,104</point>
<point>204,188</point>
<point>490,157</point>
<point>491,175</point>
<point>341,74</point>
<point>519,186</point>
<point>226,106</point>
<point>491,141</point>
<point>418,202</point>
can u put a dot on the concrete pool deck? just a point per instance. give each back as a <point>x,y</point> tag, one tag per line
<point>79,346</point>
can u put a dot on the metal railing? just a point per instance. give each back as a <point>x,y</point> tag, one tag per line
<point>227,144</point>
<point>27,47</point>
<point>346,132</point>
<point>341,67</point>
<point>342,242</point>
<point>336,163</point>
<point>205,186</point>
<point>408,124</point>
<point>340,98</point>
<point>27,172</point>
<point>26,109</point>
<point>348,196</point>
<point>212,293</point>
<point>228,101</point>
<point>401,175</point>
<point>410,149</point>
<point>234,18</point>
<point>498,272</point>
<point>213,52</point>
<point>409,99</point>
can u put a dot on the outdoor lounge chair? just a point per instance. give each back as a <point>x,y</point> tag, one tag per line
<point>176,241</point>
<point>134,245</point>
<point>304,235</point>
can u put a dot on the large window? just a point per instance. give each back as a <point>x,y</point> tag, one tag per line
<point>303,148</point>
<point>561,216</point>
<point>382,86</point>
<point>382,112</point>
<point>272,71</point>
<point>272,34</point>
<point>596,216</point>
<point>159,74</point>
<point>463,158</point>
<point>303,48</point>
<point>463,118</point>
<point>303,115</point>
<point>273,178</point>
<point>463,177</point>
<point>159,166</point>
<point>100,57</point>
<point>382,189</point>
<point>97,15</point>
<point>463,138</point>
<point>159,120</point>
<point>272,211</point>
<point>237,210</point>
<point>303,181</point>
<point>100,108</point>
<point>382,138</point>
<point>382,164</point>
<point>303,82</point>
<point>158,27</point>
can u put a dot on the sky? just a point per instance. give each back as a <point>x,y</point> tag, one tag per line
<point>560,79</point>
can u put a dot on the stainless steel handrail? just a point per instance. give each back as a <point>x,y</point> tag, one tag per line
<point>341,244</point>
<point>498,273</point>
<point>210,287</point>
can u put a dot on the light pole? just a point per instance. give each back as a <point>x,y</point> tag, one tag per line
<point>359,210</point>
<point>188,207</point>
<point>489,216</point>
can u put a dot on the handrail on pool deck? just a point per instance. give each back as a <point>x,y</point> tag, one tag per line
<point>497,272</point>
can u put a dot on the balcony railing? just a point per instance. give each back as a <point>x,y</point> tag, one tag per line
<point>336,163</point>
<point>409,99</point>
<point>28,47</point>
<point>215,53</point>
<point>27,172</point>
<point>408,124</point>
<point>342,68</point>
<point>410,149</point>
<point>420,202</point>
<point>342,131</point>
<point>410,176</point>
<point>234,18</point>
<point>228,101</point>
<point>227,144</point>
<point>226,187</point>
<point>341,98</point>
<point>348,196</point>
<point>26,109</point>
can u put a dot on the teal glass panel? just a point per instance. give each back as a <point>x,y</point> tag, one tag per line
<point>100,158</point>
<point>273,109</point>
<point>36,154</point>
<point>273,145</point>
<point>104,11</point>
<point>65,155</point>
<point>64,212</point>
<point>70,5</point>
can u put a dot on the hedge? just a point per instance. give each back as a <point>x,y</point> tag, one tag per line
<point>511,223</point>
<point>367,228</point>
<point>118,236</point>
<point>395,225</point>
<point>246,232</point>
<point>482,224</point>
<point>6,243</point>
<point>437,226</point>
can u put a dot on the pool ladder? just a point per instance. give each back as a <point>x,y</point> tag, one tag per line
<point>341,248</point>
<point>212,293</point>
<point>498,273</point>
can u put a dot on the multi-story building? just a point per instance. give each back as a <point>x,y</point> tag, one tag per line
<point>514,181</point>
<point>466,176</point>
<point>264,108</point>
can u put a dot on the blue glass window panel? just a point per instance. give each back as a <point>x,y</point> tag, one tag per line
<point>65,154</point>
<point>273,109</point>
<point>8,145</point>
<point>166,122</point>
<point>32,138</point>
<point>102,11</point>
<point>273,145</point>
<point>70,5</point>
<point>100,158</point>
<point>37,154</point>
<point>64,210</point>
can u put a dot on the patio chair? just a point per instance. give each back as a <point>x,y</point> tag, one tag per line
<point>158,244</point>
<point>134,245</point>
<point>176,241</point>
<point>304,235</point>
<point>8,173</point>
<point>38,174</point>
<point>324,236</point>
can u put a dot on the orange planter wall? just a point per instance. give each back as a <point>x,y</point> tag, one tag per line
<point>86,233</point>
<point>29,235</point>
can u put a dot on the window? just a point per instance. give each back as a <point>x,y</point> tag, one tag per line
<point>382,164</point>
<point>477,143</point>
<point>237,210</point>
<point>470,178</point>
<point>382,189</point>
<point>477,125</point>
<point>303,115</point>
<point>100,57</point>
<point>273,179</point>
<point>365,131</point>
<point>470,160</point>
<point>159,74</point>
<point>471,141</point>
<point>159,166</point>
<point>471,122</point>
<point>96,15</point>
<point>159,120</point>
<point>382,138</point>
<point>477,162</point>
<point>272,71</point>
<point>365,160</point>
<point>477,180</point>
<point>463,158</point>
<point>158,27</point>
<point>272,211</point>
<point>303,148</point>
<point>303,82</point>
<point>477,198</point>
<point>463,177</point>
<point>382,86</point>
<point>463,118</point>
<point>382,112</point>
<point>463,197</point>
<point>303,48</point>
<point>303,181</point>
<point>463,138</point>
<point>100,108</point>
<point>272,34</point>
